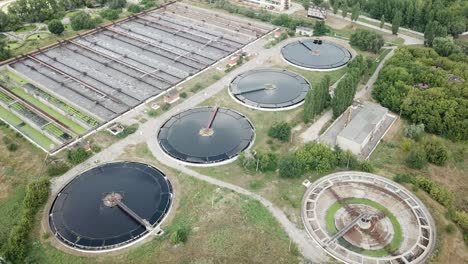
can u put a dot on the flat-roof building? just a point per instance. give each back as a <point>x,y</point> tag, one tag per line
<point>278,5</point>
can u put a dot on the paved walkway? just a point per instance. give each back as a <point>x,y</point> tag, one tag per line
<point>147,133</point>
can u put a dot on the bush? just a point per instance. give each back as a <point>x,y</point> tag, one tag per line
<point>281,131</point>
<point>436,151</point>
<point>180,235</point>
<point>259,161</point>
<point>57,168</point>
<point>437,192</point>
<point>133,8</point>
<point>36,195</point>
<point>320,28</point>
<point>110,14</point>
<point>96,148</point>
<point>128,130</point>
<point>450,229</point>
<point>183,95</point>
<point>417,158</point>
<point>78,155</point>
<point>56,27</point>
<point>12,147</point>
<point>414,131</point>
<point>291,167</point>
<point>403,178</point>
<point>216,77</point>
<point>197,87</point>
<point>117,4</point>
<point>82,20</point>
<point>317,157</point>
<point>165,107</point>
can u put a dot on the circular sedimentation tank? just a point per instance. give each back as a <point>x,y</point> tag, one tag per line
<point>360,217</point>
<point>110,206</point>
<point>206,135</point>
<point>315,54</point>
<point>269,89</point>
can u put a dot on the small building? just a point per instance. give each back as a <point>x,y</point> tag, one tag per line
<point>361,128</point>
<point>172,96</point>
<point>317,12</point>
<point>233,60</point>
<point>115,128</point>
<point>304,31</point>
<point>278,5</point>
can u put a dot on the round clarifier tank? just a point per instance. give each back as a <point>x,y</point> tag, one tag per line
<point>316,54</point>
<point>269,89</point>
<point>110,206</point>
<point>206,136</point>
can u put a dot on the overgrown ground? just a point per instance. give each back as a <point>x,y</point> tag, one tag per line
<point>225,228</point>
<point>389,160</point>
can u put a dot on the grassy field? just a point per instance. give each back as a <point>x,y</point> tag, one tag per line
<point>225,228</point>
<point>397,236</point>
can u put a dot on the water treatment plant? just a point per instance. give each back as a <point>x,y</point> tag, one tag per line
<point>182,131</point>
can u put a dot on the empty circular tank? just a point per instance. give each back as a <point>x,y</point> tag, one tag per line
<point>110,206</point>
<point>206,135</point>
<point>269,89</point>
<point>315,54</point>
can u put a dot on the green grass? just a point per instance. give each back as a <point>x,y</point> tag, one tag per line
<point>397,235</point>
<point>25,29</point>
<point>38,36</point>
<point>9,117</point>
<point>9,210</point>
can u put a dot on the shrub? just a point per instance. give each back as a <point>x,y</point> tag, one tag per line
<point>133,8</point>
<point>56,27</point>
<point>57,168</point>
<point>461,218</point>
<point>82,20</point>
<point>110,14</point>
<point>291,167</point>
<point>367,40</point>
<point>197,87</point>
<point>436,151</point>
<point>417,158</point>
<point>128,130</point>
<point>414,131</point>
<point>183,95</point>
<point>267,161</point>
<point>281,131</point>
<point>96,148</point>
<point>165,107</point>
<point>450,229</point>
<point>366,166</point>
<point>406,144</point>
<point>439,193</point>
<point>12,147</point>
<point>180,235</point>
<point>117,4</point>
<point>403,178</point>
<point>320,28</point>
<point>78,155</point>
<point>216,77</point>
<point>317,157</point>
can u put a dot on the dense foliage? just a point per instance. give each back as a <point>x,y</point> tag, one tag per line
<point>320,28</point>
<point>367,40</point>
<point>442,106</point>
<point>36,195</point>
<point>110,14</point>
<point>76,156</point>
<point>436,151</point>
<point>258,161</point>
<point>280,130</point>
<point>347,87</point>
<point>82,20</point>
<point>417,158</point>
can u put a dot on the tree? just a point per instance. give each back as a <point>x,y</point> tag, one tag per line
<point>344,10</point>
<point>367,40</point>
<point>290,167</point>
<point>281,131</point>
<point>457,26</point>
<point>355,12</point>
<point>396,22</point>
<point>4,21</point>
<point>382,21</point>
<point>4,52</point>
<point>317,99</point>
<point>35,10</point>
<point>110,14</point>
<point>82,20</point>
<point>117,4</point>
<point>436,151</point>
<point>306,4</point>
<point>414,131</point>
<point>56,27</point>
<point>434,29</point>
<point>444,46</point>
<point>335,7</point>
<point>133,8</point>
<point>417,158</point>
<point>320,28</point>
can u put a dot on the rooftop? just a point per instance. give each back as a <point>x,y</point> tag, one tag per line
<point>364,123</point>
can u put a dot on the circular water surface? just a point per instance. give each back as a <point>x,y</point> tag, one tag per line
<point>185,135</point>
<point>312,55</point>
<point>269,89</point>
<point>85,214</point>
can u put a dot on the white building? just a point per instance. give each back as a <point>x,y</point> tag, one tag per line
<point>278,5</point>
<point>304,31</point>
<point>361,128</point>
